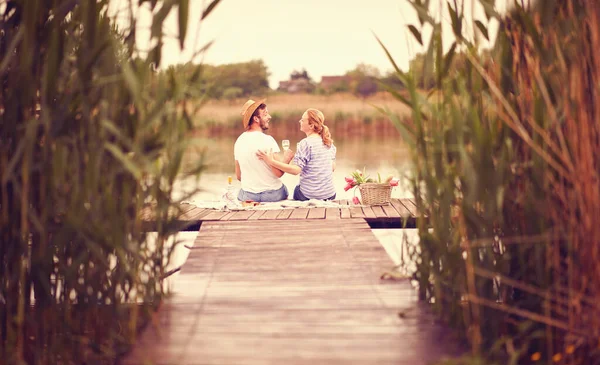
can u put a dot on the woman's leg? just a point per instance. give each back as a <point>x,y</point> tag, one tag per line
<point>298,194</point>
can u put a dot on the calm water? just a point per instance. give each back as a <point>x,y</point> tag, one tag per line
<point>386,156</point>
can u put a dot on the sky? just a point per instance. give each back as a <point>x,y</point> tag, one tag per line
<point>325,37</point>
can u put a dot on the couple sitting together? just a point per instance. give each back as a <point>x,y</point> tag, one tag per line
<point>259,165</point>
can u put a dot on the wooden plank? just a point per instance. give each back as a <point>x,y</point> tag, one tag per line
<point>190,211</point>
<point>184,208</point>
<point>332,213</point>
<point>227,216</point>
<point>242,215</point>
<point>356,212</point>
<point>316,213</point>
<point>257,214</point>
<point>299,213</point>
<point>400,208</point>
<point>285,214</point>
<point>368,211</point>
<point>270,214</point>
<point>345,213</point>
<point>214,215</point>
<point>378,210</point>
<point>410,206</point>
<point>390,211</point>
<point>197,214</point>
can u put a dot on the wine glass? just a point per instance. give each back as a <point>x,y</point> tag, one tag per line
<point>285,144</point>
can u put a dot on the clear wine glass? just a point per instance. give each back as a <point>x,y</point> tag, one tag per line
<point>285,144</point>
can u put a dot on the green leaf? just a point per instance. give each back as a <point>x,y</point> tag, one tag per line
<point>416,33</point>
<point>126,161</point>
<point>184,9</point>
<point>482,29</point>
<point>448,59</point>
<point>389,56</point>
<point>490,9</point>
<point>159,18</point>
<point>131,80</point>
<point>422,11</point>
<point>456,21</point>
<point>210,8</point>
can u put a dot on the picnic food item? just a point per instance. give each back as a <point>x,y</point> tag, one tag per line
<point>249,203</point>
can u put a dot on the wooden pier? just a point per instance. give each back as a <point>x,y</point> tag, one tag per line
<point>400,213</point>
<point>289,290</point>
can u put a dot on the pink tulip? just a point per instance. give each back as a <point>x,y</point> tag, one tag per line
<point>355,200</point>
<point>348,179</point>
<point>348,187</point>
<point>394,182</point>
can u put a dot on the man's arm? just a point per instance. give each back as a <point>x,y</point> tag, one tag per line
<point>275,170</point>
<point>238,172</point>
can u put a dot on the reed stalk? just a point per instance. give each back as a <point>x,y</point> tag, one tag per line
<point>503,150</point>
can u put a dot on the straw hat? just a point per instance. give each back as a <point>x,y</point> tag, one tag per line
<point>248,109</point>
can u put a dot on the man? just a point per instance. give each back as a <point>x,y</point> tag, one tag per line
<point>260,182</point>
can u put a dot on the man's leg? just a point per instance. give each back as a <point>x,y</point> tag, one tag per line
<point>246,195</point>
<point>274,195</point>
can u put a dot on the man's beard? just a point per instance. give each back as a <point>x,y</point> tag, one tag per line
<point>264,125</point>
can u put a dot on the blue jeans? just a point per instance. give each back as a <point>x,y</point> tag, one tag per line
<point>265,196</point>
<point>299,196</point>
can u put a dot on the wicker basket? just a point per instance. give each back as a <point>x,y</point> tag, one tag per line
<point>375,194</point>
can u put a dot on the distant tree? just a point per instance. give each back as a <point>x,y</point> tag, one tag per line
<point>366,87</point>
<point>295,75</point>
<point>232,93</point>
<point>249,77</point>
<point>391,79</point>
<point>364,80</point>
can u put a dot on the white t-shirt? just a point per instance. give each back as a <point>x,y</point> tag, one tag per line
<point>256,174</point>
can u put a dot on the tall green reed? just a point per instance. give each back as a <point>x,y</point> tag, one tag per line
<point>504,169</point>
<point>88,136</point>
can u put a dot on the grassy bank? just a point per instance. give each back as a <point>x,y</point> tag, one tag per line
<point>344,113</point>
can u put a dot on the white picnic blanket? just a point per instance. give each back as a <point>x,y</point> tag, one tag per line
<point>284,204</point>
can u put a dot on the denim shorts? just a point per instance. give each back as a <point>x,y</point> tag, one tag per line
<point>265,196</point>
<point>299,196</point>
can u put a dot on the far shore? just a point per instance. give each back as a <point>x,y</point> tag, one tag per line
<point>345,112</point>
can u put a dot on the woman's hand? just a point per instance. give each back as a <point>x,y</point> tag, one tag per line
<point>267,157</point>
<point>288,155</point>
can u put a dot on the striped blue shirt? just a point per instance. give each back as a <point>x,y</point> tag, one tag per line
<point>315,159</point>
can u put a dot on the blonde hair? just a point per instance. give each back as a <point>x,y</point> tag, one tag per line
<point>316,120</point>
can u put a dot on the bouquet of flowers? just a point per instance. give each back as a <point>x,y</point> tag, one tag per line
<point>358,178</point>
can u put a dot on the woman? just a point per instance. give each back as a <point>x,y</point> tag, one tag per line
<point>314,160</point>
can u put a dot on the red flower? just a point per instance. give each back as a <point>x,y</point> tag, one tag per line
<point>349,179</point>
<point>394,182</point>
<point>355,200</point>
<point>348,187</point>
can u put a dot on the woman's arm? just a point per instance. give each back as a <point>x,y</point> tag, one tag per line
<point>285,167</point>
